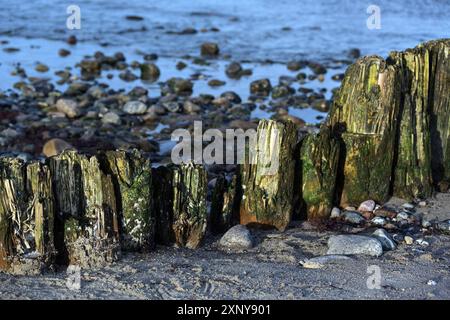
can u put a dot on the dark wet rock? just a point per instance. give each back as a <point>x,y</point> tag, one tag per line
<point>149,71</point>
<point>317,68</point>
<point>40,67</point>
<point>209,49</point>
<point>90,69</point>
<point>231,96</point>
<point>63,52</point>
<point>233,70</point>
<point>191,107</point>
<point>354,53</point>
<point>261,87</point>
<point>188,31</point>
<point>286,80</point>
<point>216,83</point>
<point>296,65</point>
<point>150,57</point>
<point>321,105</point>
<point>69,107</point>
<point>237,238</point>
<point>11,50</point>
<point>338,77</point>
<point>138,92</point>
<point>180,86</point>
<point>135,107</point>
<point>127,76</point>
<point>281,91</point>
<point>134,18</point>
<point>72,40</point>
<point>172,106</point>
<point>181,65</point>
<point>301,76</point>
<point>77,89</point>
<point>354,245</point>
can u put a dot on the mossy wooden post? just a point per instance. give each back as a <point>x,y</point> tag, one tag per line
<point>424,147</point>
<point>26,217</point>
<point>319,160</point>
<point>440,110</point>
<point>189,204</point>
<point>132,176</point>
<point>86,206</point>
<point>365,112</point>
<point>181,204</point>
<point>223,203</point>
<point>267,177</point>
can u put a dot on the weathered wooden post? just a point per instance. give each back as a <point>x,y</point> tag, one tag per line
<point>267,176</point>
<point>223,203</point>
<point>424,148</point>
<point>181,211</point>
<point>87,232</point>
<point>319,163</point>
<point>132,176</point>
<point>365,111</point>
<point>26,217</point>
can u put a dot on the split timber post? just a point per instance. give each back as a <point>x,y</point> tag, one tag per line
<point>267,177</point>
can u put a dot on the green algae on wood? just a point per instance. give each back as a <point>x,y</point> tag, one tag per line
<point>189,204</point>
<point>87,227</point>
<point>132,177</point>
<point>365,112</point>
<point>319,161</point>
<point>424,133</point>
<point>180,204</point>
<point>267,176</point>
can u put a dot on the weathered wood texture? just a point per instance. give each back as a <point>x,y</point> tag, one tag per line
<point>26,217</point>
<point>87,228</point>
<point>180,204</point>
<point>423,151</point>
<point>224,203</point>
<point>268,176</point>
<point>132,177</point>
<point>319,161</point>
<point>365,111</point>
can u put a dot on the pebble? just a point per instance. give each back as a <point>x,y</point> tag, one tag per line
<point>236,238</point>
<point>209,49</point>
<point>233,70</point>
<point>63,52</point>
<point>402,216</point>
<point>385,238</point>
<point>335,213</point>
<point>408,206</point>
<point>354,245</point>
<point>135,107</point>
<point>322,261</point>
<point>368,205</point>
<point>353,217</point>
<point>409,240</point>
<point>216,83</point>
<point>379,221</point>
<point>111,118</point>
<point>422,242</point>
<point>149,71</point>
<point>68,107</point>
<point>55,146</point>
<point>40,67</point>
<point>261,87</point>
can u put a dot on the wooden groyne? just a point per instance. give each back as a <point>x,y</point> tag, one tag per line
<point>388,133</point>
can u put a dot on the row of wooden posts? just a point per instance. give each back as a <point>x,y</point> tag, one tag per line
<point>388,133</point>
